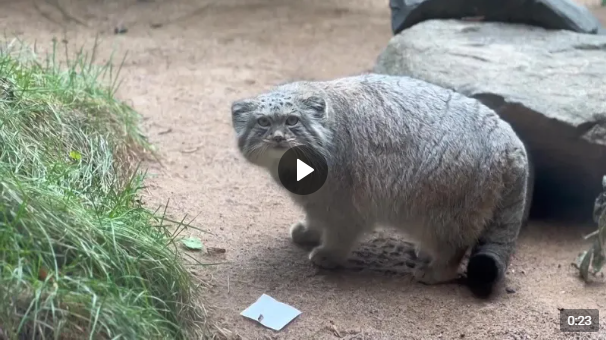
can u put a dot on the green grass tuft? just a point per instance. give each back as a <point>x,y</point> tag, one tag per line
<point>80,256</point>
<point>593,260</point>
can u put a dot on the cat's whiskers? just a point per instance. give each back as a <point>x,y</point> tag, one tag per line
<point>256,150</point>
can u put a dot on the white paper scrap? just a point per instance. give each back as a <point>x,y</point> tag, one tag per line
<point>271,313</point>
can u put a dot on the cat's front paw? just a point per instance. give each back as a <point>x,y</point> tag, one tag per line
<point>304,236</point>
<point>325,259</point>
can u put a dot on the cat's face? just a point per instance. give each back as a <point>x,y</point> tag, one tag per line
<point>268,125</point>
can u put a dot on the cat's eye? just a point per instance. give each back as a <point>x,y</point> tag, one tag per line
<point>292,120</point>
<point>263,121</point>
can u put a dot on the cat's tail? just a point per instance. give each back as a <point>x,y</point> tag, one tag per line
<point>491,255</point>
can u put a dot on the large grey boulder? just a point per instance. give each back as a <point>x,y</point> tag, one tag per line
<point>551,14</point>
<point>549,85</point>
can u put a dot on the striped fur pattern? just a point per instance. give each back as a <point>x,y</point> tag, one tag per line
<point>402,153</point>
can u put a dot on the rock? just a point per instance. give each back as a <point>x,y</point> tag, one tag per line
<point>550,14</point>
<point>120,29</point>
<point>549,85</point>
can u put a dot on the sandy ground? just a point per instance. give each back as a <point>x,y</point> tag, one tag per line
<point>182,75</point>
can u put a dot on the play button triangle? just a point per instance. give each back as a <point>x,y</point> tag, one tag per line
<point>303,170</point>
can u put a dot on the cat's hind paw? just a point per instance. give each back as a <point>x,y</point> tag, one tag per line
<point>325,259</point>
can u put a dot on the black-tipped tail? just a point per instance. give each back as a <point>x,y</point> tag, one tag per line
<point>492,253</point>
<point>484,271</point>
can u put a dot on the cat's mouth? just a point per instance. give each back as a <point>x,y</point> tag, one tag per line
<point>282,145</point>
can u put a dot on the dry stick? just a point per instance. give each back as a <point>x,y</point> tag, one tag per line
<point>192,150</point>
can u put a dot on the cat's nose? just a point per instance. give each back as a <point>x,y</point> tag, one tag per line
<point>278,138</point>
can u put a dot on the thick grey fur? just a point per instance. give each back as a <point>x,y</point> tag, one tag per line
<point>439,166</point>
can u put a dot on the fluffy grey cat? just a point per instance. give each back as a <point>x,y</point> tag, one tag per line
<point>439,166</point>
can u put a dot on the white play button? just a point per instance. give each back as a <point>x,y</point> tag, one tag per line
<point>303,170</point>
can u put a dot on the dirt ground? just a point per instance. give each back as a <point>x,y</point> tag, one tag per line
<point>187,61</point>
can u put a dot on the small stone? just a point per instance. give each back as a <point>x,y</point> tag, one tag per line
<point>510,290</point>
<point>120,30</point>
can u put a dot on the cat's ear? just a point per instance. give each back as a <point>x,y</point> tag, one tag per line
<point>315,103</point>
<point>242,107</point>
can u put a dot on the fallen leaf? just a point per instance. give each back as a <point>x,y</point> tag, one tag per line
<point>598,257</point>
<point>584,266</point>
<point>335,331</point>
<point>192,243</point>
<point>75,155</point>
<point>42,274</point>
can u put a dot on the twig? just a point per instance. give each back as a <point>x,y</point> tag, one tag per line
<point>192,150</point>
<point>163,132</point>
